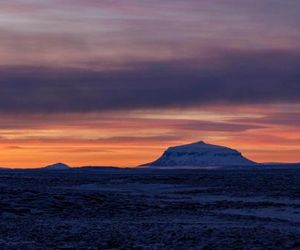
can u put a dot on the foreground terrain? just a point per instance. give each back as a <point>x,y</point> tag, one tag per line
<point>150,209</point>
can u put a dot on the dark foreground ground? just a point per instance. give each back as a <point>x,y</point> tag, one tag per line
<point>139,209</point>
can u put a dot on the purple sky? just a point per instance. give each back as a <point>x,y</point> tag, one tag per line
<point>108,59</point>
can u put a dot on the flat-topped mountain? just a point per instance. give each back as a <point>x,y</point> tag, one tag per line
<point>200,154</point>
<point>57,166</point>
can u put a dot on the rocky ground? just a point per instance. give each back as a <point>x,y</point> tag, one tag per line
<point>150,209</point>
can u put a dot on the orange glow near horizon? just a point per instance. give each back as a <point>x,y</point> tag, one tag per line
<point>134,138</point>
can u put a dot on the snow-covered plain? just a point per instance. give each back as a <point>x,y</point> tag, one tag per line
<point>150,209</point>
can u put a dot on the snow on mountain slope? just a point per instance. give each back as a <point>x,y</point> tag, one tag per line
<point>200,154</point>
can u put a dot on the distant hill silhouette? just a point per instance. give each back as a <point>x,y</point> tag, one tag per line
<point>57,166</point>
<point>200,154</point>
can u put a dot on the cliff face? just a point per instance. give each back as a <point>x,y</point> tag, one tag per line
<point>200,154</point>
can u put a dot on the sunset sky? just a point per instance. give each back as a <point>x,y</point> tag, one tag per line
<point>115,82</point>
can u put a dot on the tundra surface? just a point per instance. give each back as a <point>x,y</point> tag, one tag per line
<point>150,209</point>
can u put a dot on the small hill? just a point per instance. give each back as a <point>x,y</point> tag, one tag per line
<point>200,154</point>
<point>57,166</point>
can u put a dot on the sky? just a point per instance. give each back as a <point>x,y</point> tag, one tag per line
<point>115,82</point>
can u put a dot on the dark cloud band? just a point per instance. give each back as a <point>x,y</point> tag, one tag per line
<point>235,77</point>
